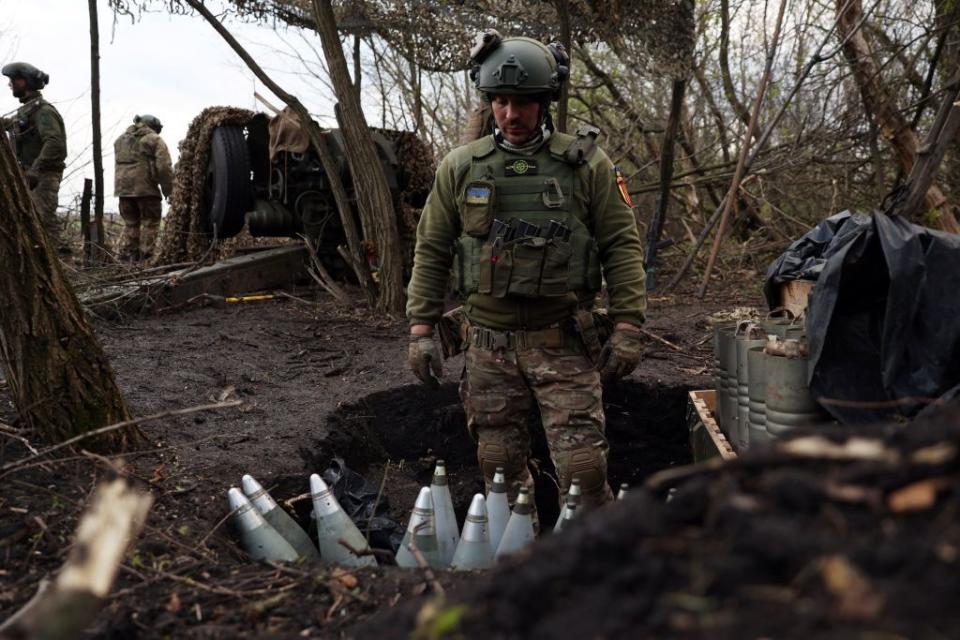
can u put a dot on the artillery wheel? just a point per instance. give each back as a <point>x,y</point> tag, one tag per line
<point>227,188</point>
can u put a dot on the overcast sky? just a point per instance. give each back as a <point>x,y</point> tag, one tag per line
<point>168,66</point>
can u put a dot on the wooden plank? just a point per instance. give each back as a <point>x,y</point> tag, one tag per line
<point>706,439</point>
<point>794,295</point>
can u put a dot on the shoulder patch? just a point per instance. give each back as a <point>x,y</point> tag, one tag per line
<point>622,185</point>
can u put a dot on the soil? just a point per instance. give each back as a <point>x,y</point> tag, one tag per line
<point>316,381</point>
<point>823,542</point>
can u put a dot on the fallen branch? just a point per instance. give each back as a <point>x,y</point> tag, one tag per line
<point>10,466</point>
<point>422,562</point>
<point>376,503</point>
<point>369,551</point>
<point>64,607</point>
<point>651,334</point>
<point>320,274</point>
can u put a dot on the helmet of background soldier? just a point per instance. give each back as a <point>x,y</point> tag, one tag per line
<point>151,121</point>
<point>36,79</point>
<point>518,66</point>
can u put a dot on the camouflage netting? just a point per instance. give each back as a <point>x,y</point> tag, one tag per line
<point>653,34</point>
<point>183,236</point>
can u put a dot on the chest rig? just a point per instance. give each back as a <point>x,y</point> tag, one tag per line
<point>524,225</point>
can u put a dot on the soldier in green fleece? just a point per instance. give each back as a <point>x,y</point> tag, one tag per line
<point>40,142</point>
<point>524,223</point>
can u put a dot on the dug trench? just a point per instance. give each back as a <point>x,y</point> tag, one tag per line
<point>402,432</point>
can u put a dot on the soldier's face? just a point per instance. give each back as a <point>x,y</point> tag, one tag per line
<point>18,86</point>
<point>518,117</point>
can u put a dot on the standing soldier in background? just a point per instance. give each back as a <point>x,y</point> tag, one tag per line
<point>40,143</point>
<point>144,176</point>
<point>527,219</point>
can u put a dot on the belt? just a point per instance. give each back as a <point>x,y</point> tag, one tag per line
<point>493,340</point>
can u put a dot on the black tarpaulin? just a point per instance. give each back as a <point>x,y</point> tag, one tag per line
<point>883,321</point>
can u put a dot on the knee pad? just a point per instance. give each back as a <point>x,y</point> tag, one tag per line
<point>590,466</point>
<point>491,455</point>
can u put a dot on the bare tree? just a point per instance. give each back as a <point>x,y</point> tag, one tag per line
<point>377,213</point>
<point>99,240</point>
<point>881,105</point>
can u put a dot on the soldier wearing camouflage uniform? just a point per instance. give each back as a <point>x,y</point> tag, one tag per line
<point>143,177</point>
<point>526,221</point>
<point>40,142</point>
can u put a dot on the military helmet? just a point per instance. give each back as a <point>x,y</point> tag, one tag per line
<point>35,78</point>
<point>151,121</point>
<point>518,66</point>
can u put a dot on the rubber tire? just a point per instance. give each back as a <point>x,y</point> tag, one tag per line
<point>227,191</point>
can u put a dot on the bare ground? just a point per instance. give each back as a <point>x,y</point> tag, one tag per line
<point>315,381</point>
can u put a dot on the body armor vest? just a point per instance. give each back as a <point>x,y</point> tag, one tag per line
<point>27,140</point>
<point>524,225</point>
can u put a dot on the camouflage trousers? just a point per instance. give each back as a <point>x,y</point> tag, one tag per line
<point>141,223</point>
<point>45,197</point>
<point>498,390</point>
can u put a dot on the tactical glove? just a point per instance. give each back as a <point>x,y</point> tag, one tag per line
<point>33,178</point>
<point>423,357</point>
<point>620,355</point>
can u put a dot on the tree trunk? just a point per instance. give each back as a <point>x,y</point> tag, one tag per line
<point>948,53</point>
<point>99,247</point>
<point>666,178</point>
<point>881,106</point>
<point>59,377</point>
<point>566,39</point>
<point>416,87</point>
<point>714,109</point>
<point>85,200</point>
<point>357,69</point>
<point>377,214</point>
<point>728,89</point>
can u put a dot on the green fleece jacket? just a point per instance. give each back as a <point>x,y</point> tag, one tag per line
<point>604,212</point>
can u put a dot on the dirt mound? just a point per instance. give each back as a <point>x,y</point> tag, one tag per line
<point>833,535</point>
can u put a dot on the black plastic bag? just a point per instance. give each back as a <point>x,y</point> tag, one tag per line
<point>883,321</point>
<point>358,497</point>
<point>805,258</point>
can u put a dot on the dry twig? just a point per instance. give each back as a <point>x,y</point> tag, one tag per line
<point>11,466</point>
